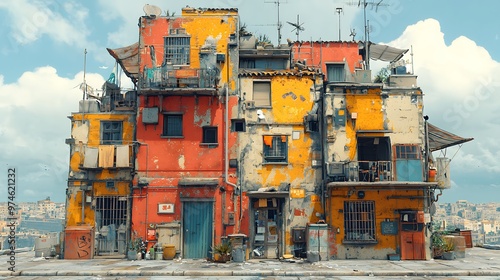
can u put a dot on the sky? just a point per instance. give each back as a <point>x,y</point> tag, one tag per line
<point>455,47</point>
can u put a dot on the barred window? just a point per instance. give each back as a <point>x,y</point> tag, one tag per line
<point>209,135</point>
<point>275,149</point>
<point>359,221</point>
<point>177,49</point>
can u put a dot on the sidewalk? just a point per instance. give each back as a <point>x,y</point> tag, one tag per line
<point>478,262</point>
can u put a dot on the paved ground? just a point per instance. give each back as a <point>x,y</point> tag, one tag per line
<point>478,262</point>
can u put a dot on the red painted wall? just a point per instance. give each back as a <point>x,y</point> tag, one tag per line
<point>317,54</point>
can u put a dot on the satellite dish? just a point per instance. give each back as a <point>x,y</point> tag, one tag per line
<point>152,10</point>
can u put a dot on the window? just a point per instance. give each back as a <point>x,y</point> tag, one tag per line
<point>172,125</point>
<point>275,149</point>
<point>177,50</point>
<point>335,72</point>
<point>209,135</point>
<point>111,132</point>
<point>359,221</point>
<point>407,152</point>
<point>262,93</point>
<point>238,125</point>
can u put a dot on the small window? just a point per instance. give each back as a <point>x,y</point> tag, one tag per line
<point>110,184</point>
<point>359,221</point>
<point>177,50</point>
<point>275,149</point>
<point>172,125</point>
<point>238,125</point>
<point>335,72</point>
<point>262,93</point>
<point>111,132</point>
<point>407,152</point>
<point>209,135</point>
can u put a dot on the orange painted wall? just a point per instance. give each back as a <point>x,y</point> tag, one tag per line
<point>318,54</point>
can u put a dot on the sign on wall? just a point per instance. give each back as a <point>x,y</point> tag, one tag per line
<point>165,208</point>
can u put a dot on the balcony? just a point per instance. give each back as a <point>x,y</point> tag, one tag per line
<point>361,171</point>
<point>184,79</point>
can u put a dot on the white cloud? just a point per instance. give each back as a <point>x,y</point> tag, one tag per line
<point>63,22</point>
<point>460,82</point>
<point>34,126</point>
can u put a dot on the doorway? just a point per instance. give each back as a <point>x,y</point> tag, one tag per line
<point>197,229</point>
<point>267,228</point>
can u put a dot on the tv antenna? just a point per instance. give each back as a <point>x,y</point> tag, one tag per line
<point>373,4</point>
<point>278,2</point>
<point>152,11</point>
<point>353,33</point>
<point>297,27</point>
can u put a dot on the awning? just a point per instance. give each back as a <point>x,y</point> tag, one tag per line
<point>440,139</point>
<point>386,53</point>
<point>128,58</point>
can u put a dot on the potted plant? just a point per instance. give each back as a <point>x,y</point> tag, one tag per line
<point>136,248</point>
<point>222,252</point>
<point>448,250</point>
<point>437,244</point>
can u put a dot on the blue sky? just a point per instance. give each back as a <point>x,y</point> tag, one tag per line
<point>456,57</point>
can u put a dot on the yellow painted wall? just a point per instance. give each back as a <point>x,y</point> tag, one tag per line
<point>122,183</point>
<point>385,208</point>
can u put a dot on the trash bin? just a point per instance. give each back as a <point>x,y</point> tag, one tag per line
<point>238,243</point>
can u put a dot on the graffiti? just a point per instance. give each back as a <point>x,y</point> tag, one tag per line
<point>84,246</point>
<point>332,243</point>
<point>299,212</point>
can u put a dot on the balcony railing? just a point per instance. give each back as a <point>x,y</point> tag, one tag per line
<point>362,171</point>
<point>167,78</point>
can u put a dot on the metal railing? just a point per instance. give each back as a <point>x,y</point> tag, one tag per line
<point>163,77</point>
<point>365,171</point>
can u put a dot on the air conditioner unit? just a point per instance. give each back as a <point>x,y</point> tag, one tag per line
<point>335,168</point>
<point>250,104</point>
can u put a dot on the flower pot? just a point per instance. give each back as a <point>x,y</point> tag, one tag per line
<point>131,255</point>
<point>449,255</point>
<point>221,258</point>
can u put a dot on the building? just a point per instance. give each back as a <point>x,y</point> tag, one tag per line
<point>279,148</point>
<point>185,71</point>
<point>100,173</point>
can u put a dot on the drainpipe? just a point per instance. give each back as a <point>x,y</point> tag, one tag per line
<point>426,164</point>
<point>83,206</point>
<point>226,129</point>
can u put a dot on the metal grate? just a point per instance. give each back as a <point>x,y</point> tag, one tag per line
<point>359,220</point>
<point>177,50</point>
<point>111,223</point>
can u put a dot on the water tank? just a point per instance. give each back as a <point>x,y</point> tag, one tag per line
<point>88,106</point>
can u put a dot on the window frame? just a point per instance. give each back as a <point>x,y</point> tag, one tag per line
<point>407,151</point>
<point>275,154</point>
<point>356,224</point>
<point>177,53</point>
<point>111,132</point>
<point>259,103</point>
<point>166,116</point>
<point>207,129</point>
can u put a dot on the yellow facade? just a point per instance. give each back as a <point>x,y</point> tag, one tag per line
<point>86,133</point>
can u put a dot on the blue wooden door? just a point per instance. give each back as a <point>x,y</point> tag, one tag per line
<point>198,229</point>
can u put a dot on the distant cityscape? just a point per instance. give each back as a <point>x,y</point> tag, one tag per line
<point>481,219</point>
<point>35,219</point>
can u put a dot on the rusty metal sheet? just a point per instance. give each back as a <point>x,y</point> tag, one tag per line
<point>440,139</point>
<point>128,58</point>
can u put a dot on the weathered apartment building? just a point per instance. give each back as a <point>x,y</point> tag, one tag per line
<point>292,145</point>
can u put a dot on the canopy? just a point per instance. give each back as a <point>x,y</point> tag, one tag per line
<point>386,53</point>
<point>128,58</point>
<point>440,139</point>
